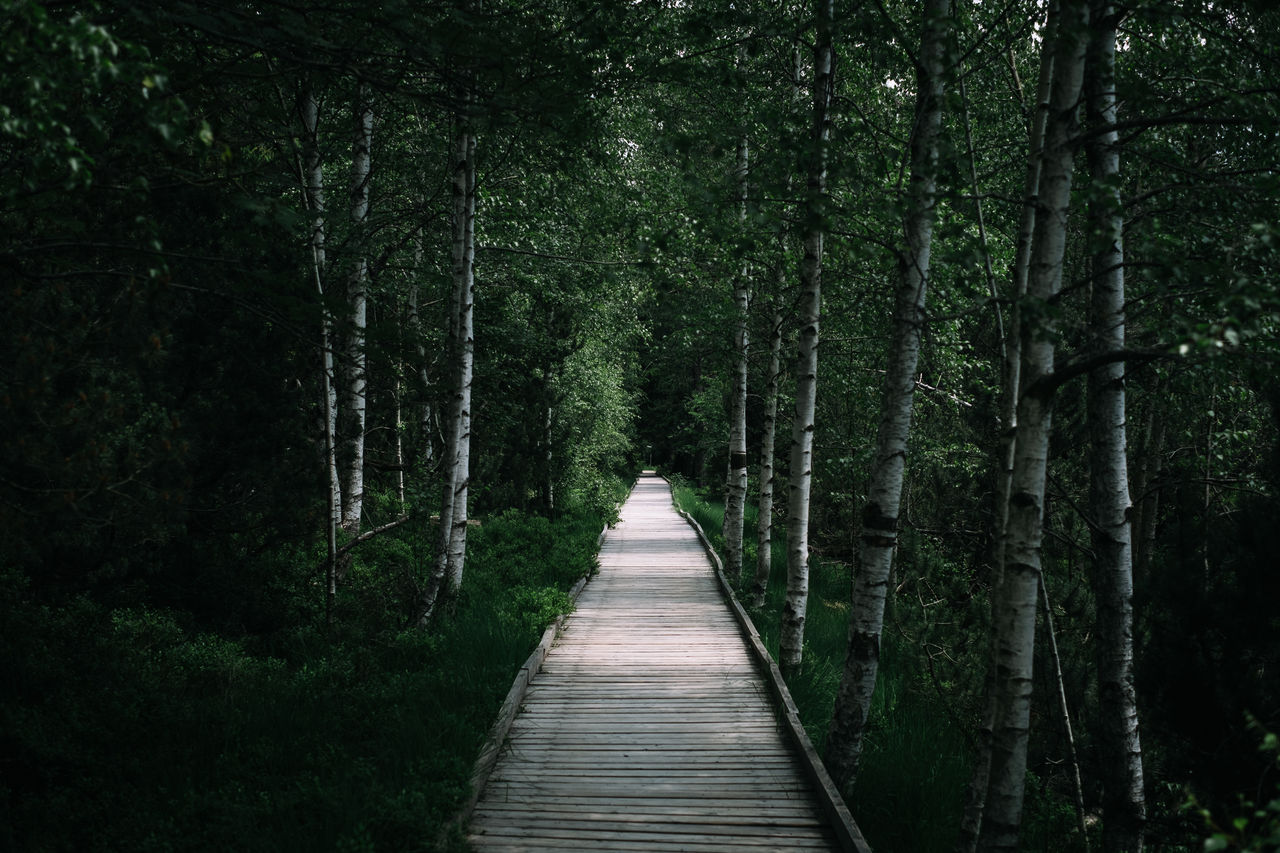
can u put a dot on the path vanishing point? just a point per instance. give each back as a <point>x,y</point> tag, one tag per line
<point>651,725</point>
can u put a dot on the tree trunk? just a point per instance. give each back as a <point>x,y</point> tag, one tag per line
<point>464,274</point>
<point>1015,620</point>
<point>1011,372</point>
<point>880,516</point>
<point>358,306</point>
<point>791,639</point>
<point>764,517</point>
<point>450,558</point>
<point>426,414</point>
<point>1146,489</point>
<point>313,179</point>
<point>1123,801</point>
<point>736,479</point>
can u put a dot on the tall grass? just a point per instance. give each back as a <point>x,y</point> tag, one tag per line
<point>131,730</point>
<point>913,773</point>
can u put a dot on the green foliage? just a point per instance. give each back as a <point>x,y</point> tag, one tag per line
<point>915,766</point>
<point>1254,827</point>
<point>131,729</point>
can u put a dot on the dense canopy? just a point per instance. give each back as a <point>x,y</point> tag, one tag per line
<point>332,332</point>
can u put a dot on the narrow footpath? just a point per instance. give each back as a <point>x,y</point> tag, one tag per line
<point>649,727</point>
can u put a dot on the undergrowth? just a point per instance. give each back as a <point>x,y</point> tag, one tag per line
<point>915,767</point>
<point>133,729</point>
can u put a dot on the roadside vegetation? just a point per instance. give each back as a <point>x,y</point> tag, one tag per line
<point>134,728</point>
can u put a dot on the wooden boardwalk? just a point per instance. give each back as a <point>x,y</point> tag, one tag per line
<point>650,727</point>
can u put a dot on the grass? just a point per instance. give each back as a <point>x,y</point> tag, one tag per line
<point>915,766</point>
<point>127,729</point>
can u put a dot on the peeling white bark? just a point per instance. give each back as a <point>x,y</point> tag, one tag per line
<point>1016,599</point>
<point>1011,371</point>
<point>313,177</point>
<point>764,516</point>
<point>451,554</point>
<point>791,639</point>
<point>1123,798</point>
<point>880,515</point>
<point>356,400</point>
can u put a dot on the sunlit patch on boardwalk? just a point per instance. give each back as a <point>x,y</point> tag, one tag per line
<point>649,727</point>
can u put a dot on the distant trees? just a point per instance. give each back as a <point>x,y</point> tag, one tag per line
<point>217,370</point>
<point>1019,483</point>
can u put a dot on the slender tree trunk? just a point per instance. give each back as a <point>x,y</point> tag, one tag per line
<point>1123,800</point>
<point>764,517</point>
<point>1146,489</point>
<point>768,473</point>
<point>464,272</point>
<point>736,479</point>
<point>358,306</point>
<point>880,515</point>
<point>426,413</point>
<point>791,639</point>
<point>1064,710</point>
<point>313,180</point>
<point>1011,373</point>
<point>450,558</point>
<point>1016,599</point>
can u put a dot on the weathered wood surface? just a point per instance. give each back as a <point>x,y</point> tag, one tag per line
<point>649,727</point>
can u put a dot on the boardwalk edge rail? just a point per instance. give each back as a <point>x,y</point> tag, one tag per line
<point>497,736</point>
<point>833,805</point>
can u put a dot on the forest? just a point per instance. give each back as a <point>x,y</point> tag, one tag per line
<point>333,334</point>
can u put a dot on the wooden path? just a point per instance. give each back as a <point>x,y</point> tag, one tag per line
<point>650,727</point>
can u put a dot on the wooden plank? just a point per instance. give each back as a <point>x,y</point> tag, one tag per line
<point>525,834</point>
<point>647,725</point>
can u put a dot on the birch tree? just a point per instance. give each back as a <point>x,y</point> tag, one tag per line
<point>313,179</point>
<point>451,554</point>
<point>764,515</point>
<point>1123,801</point>
<point>791,640</point>
<point>880,515</point>
<point>736,479</point>
<point>355,401</point>
<point>1011,372</point>
<point>1017,597</point>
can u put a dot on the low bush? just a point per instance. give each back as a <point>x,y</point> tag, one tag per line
<point>135,729</point>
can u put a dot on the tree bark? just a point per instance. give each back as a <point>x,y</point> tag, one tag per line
<point>1016,599</point>
<point>1011,372</point>
<point>764,516</point>
<point>426,414</point>
<point>880,515</point>
<point>313,188</point>
<point>791,639</point>
<point>450,557</point>
<point>1123,799</point>
<point>356,389</point>
<point>736,478</point>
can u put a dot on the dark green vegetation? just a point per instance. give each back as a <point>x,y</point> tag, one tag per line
<point>171,674</point>
<point>132,728</point>
<point>909,791</point>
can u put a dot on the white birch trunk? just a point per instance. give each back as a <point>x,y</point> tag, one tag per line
<point>791,639</point>
<point>880,515</point>
<point>450,556</point>
<point>736,479</point>
<point>358,306</point>
<point>1123,799</point>
<point>426,415</point>
<point>1015,620</point>
<point>764,516</point>
<point>464,272</point>
<point>1011,371</point>
<point>313,178</point>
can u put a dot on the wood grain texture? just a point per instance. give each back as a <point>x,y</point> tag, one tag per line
<point>649,726</point>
